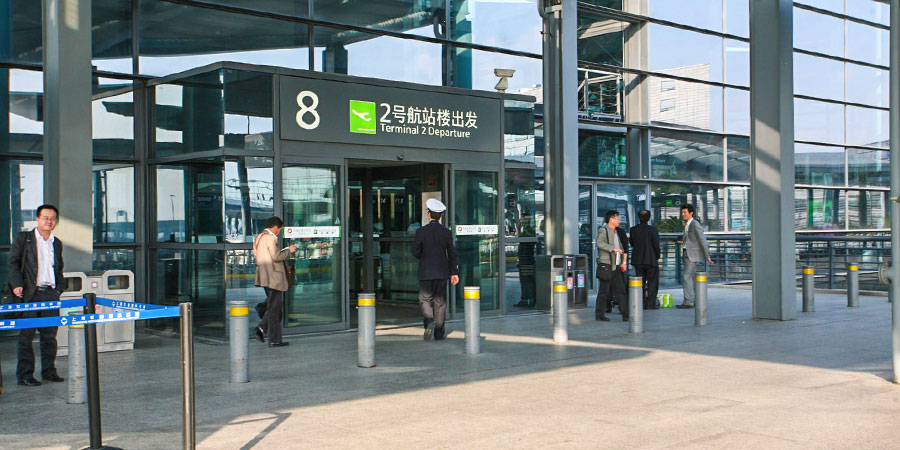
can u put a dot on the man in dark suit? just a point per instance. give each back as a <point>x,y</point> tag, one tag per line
<point>36,275</point>
<point>645,257</point>
<point>433,247</point>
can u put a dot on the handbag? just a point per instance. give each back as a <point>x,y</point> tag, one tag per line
<point>604,272</point>
<point>289,270</point>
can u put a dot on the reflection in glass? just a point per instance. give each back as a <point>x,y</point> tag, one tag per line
<point>175,38</point>
<point>518,124</point>
<point>113,203</point>
<point>686,53</point>
<point>600,95</point>
<point>737,17</point>
<point>818,77</point>
<point>240,274</point>
<point>818,121</point>
<point>600,40</point>
<point>311,199</point>
<point>737,59</point>
<point>476,203</point>
<point>737,111</point>
<point>226,109</point>
<point>296,8</point>
<point>181,275</point>
<point>819,209</point>
<point>113,259</point>
<point>527,79</point>
<point>867,209</point>
<point>111,33</point>
<point>700,14</point>
<point>511,25</point>
<point>666,201</point>
<point>626,199</point>
<point>869,167</point>
<point>819,164</point>
<point>872,10</point>
<point>520,209</point>
<point>363,54</point>
<point>249,197</point>
<point>868,127</point>
<point>601,154</point>
<point>738,208</point>
<point>23,131</point>
<point>586,230</point>
<point>520,224</point>
<point>189,203</point>
<point>677,103</point>
<point>818,33</point>
<point>21,191</point>
<point>686,156</point>
<point>868,44</point>
<point>113,126</point>
<point>738,159</point>
<point>867,85</point>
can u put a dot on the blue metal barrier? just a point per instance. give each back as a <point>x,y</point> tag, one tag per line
<point>136,311</point>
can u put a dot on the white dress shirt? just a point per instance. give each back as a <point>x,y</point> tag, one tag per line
<point>45,274</point>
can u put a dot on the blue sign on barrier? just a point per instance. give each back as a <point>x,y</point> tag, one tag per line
<point>122,304</point>
<point>40,306</point>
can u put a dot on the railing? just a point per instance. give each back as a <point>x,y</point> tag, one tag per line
<point>829,255</point>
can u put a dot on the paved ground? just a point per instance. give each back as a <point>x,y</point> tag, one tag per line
<point>816,382</point>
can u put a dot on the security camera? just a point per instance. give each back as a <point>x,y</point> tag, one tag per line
<point>505,73</point>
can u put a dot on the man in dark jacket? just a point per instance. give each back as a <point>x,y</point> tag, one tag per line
<point>433,247</point>
<point>36,275</point>
<point>645,257</point>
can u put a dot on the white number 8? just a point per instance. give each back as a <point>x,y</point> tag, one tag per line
<point>304,109</point>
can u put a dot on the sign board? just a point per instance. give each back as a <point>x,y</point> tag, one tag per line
<point>476,230</point>
<point>312,232</point>
<point>321,110</point>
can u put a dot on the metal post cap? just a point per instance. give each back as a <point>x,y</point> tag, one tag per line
<point>807,270</point>
<point>635,281</point>
<point>560,286</point>
<point>238,308</point>
<point>701,276</point>
<point>472,292</point>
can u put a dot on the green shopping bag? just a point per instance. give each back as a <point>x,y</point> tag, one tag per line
<point>665,300</point>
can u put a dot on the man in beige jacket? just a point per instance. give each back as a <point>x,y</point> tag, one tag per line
<point>271,276</point>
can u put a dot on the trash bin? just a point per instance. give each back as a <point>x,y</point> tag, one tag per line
<point>547,268</point>
<point>578,292</point>
<point>111,284</point>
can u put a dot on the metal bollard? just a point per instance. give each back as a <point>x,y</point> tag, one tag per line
<point>809,291</point>
<point>635,305</point>
<point>700,315</point>
<point>188,421</point>
<point>239,331</point>
<point>472,295</point>
<point>365,334</point>
<point>852,285</point>
<point>77,379</point>
<point>560,312</point>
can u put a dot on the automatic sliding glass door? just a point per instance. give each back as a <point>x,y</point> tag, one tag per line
<point>476,217</point>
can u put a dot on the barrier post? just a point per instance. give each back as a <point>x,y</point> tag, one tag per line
<point>560,312</point>
<point>635,305</point>
<point>852,285</point>
<point>77,372</point>
<point>472,306</point>
<point>239,329</point>
<point>93,374</point>
<point>365,334</point>
<point>700,314</point>
<point>189,438</point>
<point>809,291</point>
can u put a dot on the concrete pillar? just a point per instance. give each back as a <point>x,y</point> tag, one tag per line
<point>68,149</point>
<point>772,159</point>
<point>561,128</point>
<point>895,186</point>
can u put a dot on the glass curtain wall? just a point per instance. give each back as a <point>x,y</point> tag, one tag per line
<point>697,110</point>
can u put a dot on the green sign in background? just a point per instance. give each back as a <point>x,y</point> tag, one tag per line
<point>362,117</point>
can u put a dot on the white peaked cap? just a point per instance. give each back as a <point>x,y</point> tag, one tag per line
<point>435,205</point>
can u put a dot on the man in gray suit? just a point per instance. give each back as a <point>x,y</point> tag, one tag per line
<point>695,252</point>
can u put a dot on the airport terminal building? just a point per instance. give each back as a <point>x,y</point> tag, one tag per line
<point>168,131</point>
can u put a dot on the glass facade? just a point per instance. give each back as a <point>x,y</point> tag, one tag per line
<point>187,170</point>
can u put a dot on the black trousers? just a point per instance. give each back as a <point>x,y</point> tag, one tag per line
<point>650,274</point>
<point>433,300</point>
<point>271,322</point>
<point>25,368</point>
<point>610,282</point>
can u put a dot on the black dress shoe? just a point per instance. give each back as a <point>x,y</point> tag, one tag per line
<point>279,344</point>
<point>624,319</point>
<point>260,336</point>
<point>54,378</point>
<point>603,318</point>
<point>30,381</point>
<point>684,306</point>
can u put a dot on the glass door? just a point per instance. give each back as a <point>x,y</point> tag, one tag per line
<point>586,230</point>
<point>311,206</point>
<point>476,217</point>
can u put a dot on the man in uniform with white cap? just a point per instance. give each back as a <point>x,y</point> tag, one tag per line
<point>437,261</point>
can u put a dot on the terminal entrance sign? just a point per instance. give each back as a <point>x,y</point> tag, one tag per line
<point>326,110</point>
